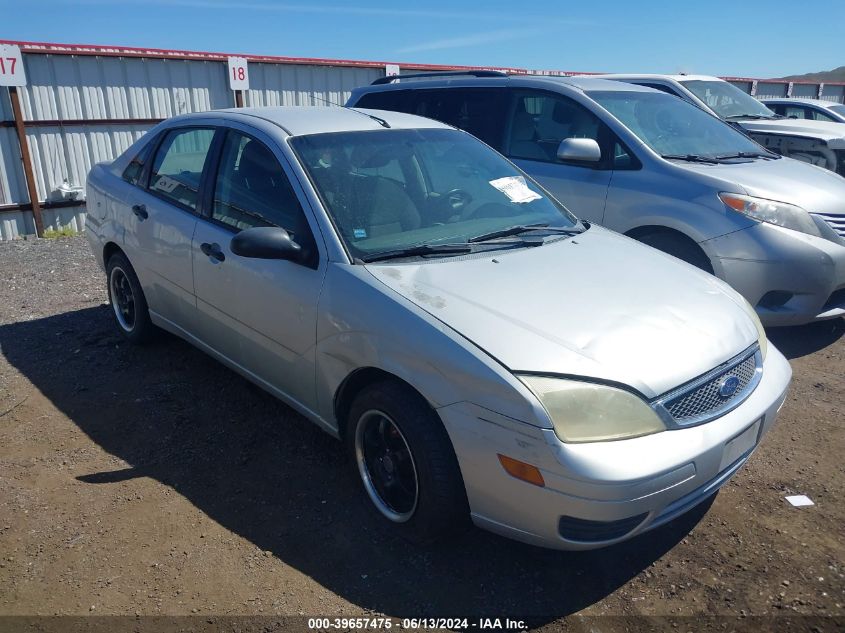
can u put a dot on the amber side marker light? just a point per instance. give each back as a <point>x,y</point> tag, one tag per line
<point>521,470</point>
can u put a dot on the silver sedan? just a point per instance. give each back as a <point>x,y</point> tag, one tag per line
<point>482,353</point>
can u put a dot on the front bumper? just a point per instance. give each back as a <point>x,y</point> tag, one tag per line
<point>601,493</point>
<point>789,277</point>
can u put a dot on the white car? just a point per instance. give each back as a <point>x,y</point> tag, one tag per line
<point>820,143</point>
<point>809,109</point>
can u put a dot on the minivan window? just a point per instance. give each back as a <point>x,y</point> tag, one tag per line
<point>541,120</point>
<point>453,188</point>
<point>674,127</point>
<point>178,165</point>
<point>479,111</point>
<point>728,101</point>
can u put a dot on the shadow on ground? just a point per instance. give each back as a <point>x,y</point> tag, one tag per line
<point>803,340</point>
<point>267,474</point>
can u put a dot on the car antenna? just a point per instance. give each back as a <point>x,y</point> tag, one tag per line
<point>378,120</point>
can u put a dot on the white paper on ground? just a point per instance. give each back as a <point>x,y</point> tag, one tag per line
<point>515,188</point>
<point>800,500</point>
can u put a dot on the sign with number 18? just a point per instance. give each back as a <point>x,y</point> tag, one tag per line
<point>238,73</point>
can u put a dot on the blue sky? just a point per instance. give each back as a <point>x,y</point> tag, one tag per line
<point>754,39</point>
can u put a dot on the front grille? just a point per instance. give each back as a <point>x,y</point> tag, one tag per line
<point>701,400</point>
<point>836,222</point>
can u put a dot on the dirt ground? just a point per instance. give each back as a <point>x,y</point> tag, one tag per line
<point>153,481</point>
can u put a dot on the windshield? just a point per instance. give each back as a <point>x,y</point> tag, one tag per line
<point>673,127</point>
<point>388,190</point>
<point>839,109</point>
<point>728,101</point>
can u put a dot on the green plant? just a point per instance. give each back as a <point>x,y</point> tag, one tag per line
<point>59,231</point>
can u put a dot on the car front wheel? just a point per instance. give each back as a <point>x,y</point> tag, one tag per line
<point>402,455</point>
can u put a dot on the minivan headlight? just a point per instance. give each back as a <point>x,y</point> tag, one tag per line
<point>588,412</point>
<point>789,216</point>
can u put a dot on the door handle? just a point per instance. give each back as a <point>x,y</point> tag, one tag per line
<point>213,251</point>
<point>140,210</point>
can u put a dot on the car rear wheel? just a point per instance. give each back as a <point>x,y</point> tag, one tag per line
<point>128,303</point>
<point>402,456</point>
<point>678,246</point>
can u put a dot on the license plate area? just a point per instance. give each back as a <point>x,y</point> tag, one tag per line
<point>740,444</point>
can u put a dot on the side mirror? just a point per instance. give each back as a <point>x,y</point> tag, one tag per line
<point>265,242</point>
<point>579,150</point>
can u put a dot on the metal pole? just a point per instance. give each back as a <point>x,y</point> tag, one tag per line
<point>239,98</point>
<point>27,161</point>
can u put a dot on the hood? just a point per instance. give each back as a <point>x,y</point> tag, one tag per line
<point>598,305</point>
<point>828,131</point>
<point>812,188</point>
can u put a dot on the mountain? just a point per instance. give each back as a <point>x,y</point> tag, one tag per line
<point>835,75</point>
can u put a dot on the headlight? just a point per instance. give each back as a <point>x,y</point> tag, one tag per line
<point>586,412</point>
<point>782,214</point>
<point>761,333</point>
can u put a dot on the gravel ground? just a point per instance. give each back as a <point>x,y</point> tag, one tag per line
<point>153,481</point>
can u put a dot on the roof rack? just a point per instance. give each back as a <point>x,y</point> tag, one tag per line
<point>455,73</point>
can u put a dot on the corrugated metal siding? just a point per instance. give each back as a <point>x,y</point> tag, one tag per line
<point>12,180</point>
<point>834,93</point>
<point>80,87</point>
<point>65,217</point>
<point>287,84</point>
<point>14,224</point>
<point>770,90</point>
<point>807,91</point>
<point>70,152</point>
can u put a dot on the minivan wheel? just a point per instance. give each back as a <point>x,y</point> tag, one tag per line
<point>128,303</point>
<point>678,246</point>
<point>402,456</point>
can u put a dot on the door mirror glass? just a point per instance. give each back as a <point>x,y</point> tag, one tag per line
<point>265,242</point>
<point>579,150</point>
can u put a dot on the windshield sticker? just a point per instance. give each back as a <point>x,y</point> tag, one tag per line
<point>359,234</point>
<point>515,188</point>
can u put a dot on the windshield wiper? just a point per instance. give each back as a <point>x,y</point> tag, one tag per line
<point>522,228</point>
<point>749,116</point>
<point>691,158</point>
<point>747,155</point>
<point>418,250</point>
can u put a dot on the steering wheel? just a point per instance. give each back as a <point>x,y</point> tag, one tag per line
<point>457,199</point>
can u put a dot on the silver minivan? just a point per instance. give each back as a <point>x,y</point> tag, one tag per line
<point>481,352</point>
<point>661,170</point>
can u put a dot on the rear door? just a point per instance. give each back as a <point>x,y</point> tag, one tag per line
<point>538,122</point>
<point>259,314</point>
<point>162,221</point>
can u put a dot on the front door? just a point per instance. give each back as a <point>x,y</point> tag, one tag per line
<point>259,314</point>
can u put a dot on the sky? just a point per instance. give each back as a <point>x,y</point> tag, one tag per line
<point>727,38</point>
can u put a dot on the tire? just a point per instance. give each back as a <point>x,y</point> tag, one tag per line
<point>129,305</point>
<point>394,411</point>
<point>678,246</point>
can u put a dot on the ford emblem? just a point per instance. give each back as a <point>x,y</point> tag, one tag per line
<point>728,386</point>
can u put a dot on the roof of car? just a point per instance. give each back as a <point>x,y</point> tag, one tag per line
<point>580,82</point>
<point>659,76</point>
<point>788,100</point>
<point>299,120</point>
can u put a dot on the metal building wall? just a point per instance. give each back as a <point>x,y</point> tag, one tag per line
<point>290,84</point>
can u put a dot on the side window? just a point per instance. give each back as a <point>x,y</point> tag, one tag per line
<point>251,189</point>
<point>178,165</point>
<point>795,112</point>
<point>661,88</point>
<point>818,115</point>
<point>541,121</point>
<point>135,168</point>
<point>384,100</point>
<point>479,111</point>
<point>623,158</point>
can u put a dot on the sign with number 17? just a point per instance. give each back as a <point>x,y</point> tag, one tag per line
<point>11,66</point>
<point>238,73</point>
